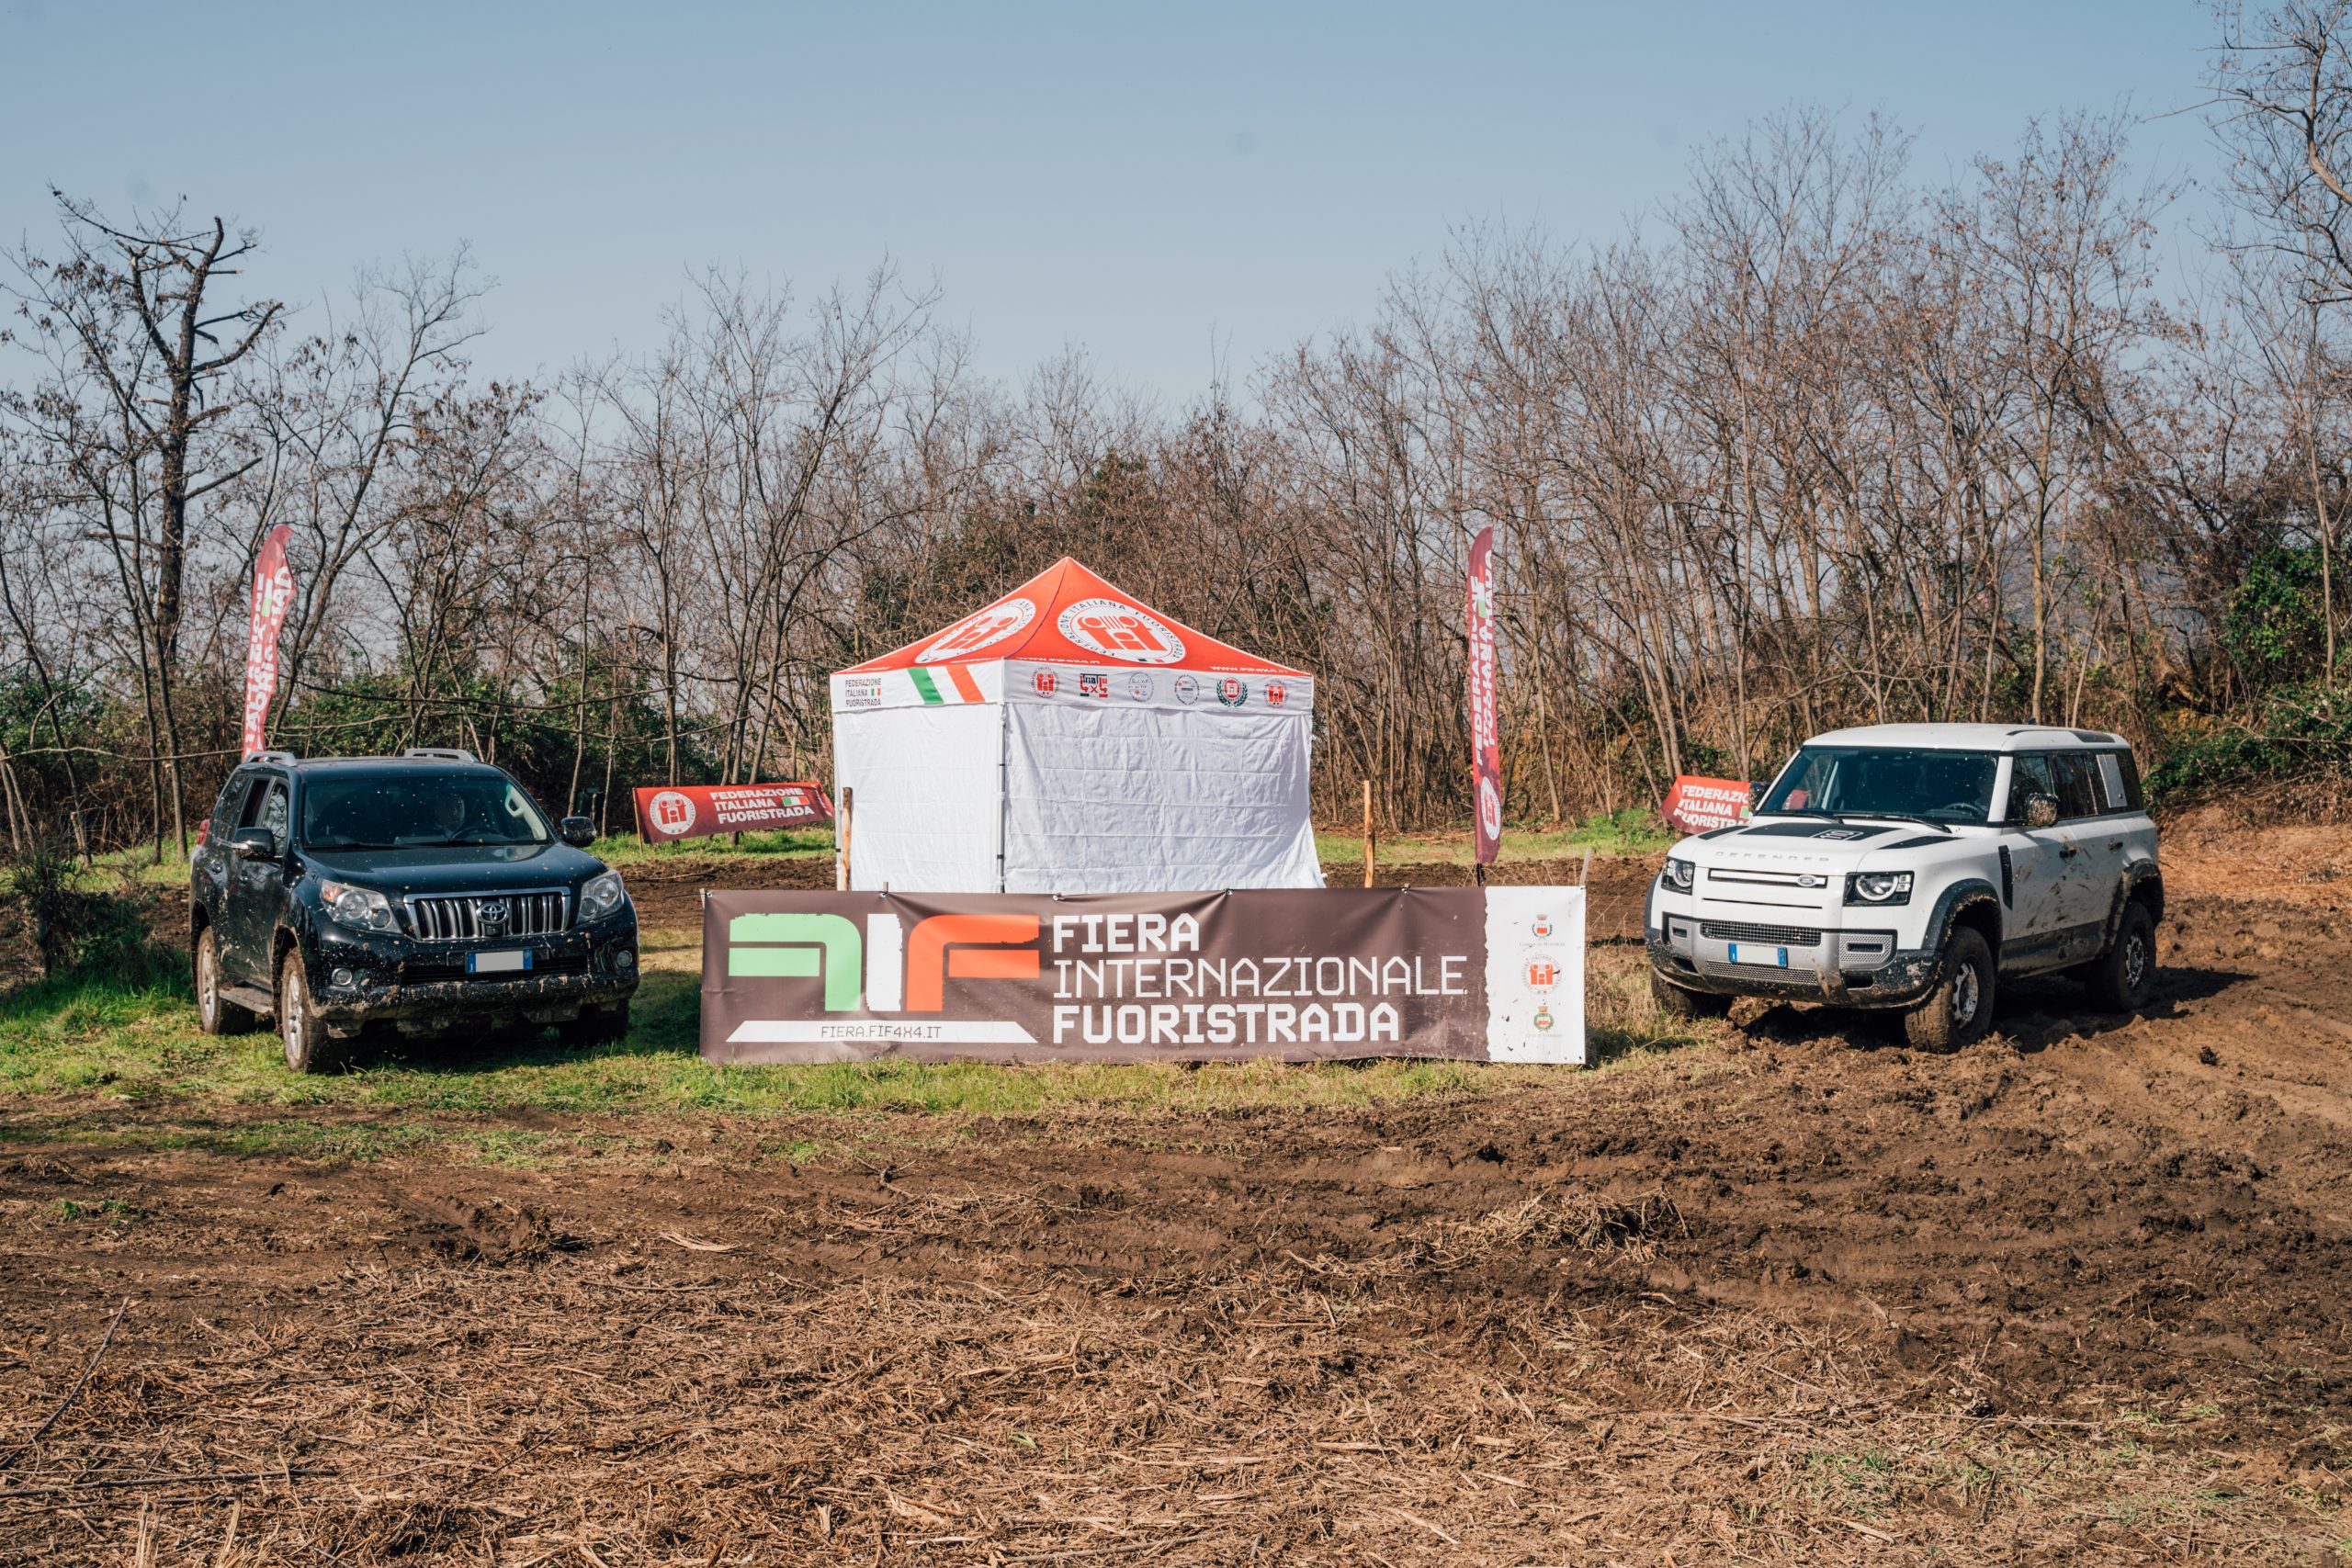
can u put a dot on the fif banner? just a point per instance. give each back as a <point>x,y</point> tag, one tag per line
<point>1491,974</point>
<point>1485,747</point>
<point>696,811</point>
<point>273,594</point>
<point>1699,805</point>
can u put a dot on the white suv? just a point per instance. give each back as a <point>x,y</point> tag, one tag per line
<point>1910,865</point>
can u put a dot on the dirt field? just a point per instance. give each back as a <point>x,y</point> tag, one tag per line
<point>2076,1295</point>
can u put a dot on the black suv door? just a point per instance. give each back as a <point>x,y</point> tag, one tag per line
<point>255,886</point>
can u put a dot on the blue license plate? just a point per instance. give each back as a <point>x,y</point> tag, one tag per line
<point>1770,957</point>
<point>513,962</point>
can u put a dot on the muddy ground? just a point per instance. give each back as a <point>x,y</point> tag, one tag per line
<point>2077,1294</point>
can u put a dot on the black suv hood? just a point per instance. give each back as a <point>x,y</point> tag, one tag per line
<point>488,869</point>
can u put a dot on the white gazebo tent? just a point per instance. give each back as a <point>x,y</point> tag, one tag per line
<point>1068,739</point>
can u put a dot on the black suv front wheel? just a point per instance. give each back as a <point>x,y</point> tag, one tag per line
<point>299,1029</point>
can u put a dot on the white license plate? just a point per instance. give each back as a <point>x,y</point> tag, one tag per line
<point>498,963</point>
<point>1748,953</point>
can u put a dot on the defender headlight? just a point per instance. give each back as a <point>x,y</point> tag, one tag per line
<point>602,895</point>
<point>1680,875</point>
<point>361,909</point>
<point>1878,888</point>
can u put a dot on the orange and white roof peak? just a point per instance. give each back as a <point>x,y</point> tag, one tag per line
<point>1066,615</point>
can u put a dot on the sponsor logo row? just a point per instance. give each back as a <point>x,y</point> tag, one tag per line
<point>1229,691</point>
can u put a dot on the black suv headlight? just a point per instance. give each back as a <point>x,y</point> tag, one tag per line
<point>1878,888</point>
<point>602,895</point>
<point>1680,875</point>
<point>361,909</point>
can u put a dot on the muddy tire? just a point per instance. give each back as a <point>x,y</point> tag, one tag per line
<point>2121,978</point>
<point>595,1026</point>
<point>1673,1001</point>
<point>215,1014</point>
<point>1959,1010</point>
<point>308,1049</point>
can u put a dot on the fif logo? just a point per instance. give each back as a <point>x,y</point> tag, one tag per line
<point>1043,681</point>
<point>1121,631</point>
<point>1232,691</point>
<point>1276,693</point>
<point>886,967</point>
<point>672,811</point>
<point>1542,972</point>
<point>978,630</point>
<point>1090,684</point>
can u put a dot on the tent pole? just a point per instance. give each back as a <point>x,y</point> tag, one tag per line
<point>1367,832</point>
<point>1004,769</point>
<point>849,805</point>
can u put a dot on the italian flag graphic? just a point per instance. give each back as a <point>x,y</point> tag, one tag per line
<point>949,683</point>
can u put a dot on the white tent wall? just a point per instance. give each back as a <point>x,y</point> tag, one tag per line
<point>1107,798</point>
<point>927,811</point>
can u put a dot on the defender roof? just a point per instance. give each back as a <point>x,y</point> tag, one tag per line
<point>1997,738</point>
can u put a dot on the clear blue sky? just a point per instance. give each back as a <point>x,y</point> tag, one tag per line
<point>1154,185</point>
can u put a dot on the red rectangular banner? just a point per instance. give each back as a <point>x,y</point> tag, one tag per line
<point>1484,974</point>
<point>696,811</point>
<point>1485,747</point>
<point>273,594</point>
<point>1699,804</point>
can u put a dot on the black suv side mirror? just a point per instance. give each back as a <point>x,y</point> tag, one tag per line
<point>254,843</point>
<point>2041,810</point>
<point>577,831</point>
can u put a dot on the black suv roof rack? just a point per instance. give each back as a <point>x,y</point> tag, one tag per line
<point>273,756</point>
<point>442,753</point>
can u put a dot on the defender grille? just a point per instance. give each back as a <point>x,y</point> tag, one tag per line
<point>471,916</point>
<point>1779,936</point>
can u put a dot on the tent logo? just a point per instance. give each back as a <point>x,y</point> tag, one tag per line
<point>1043,681</point>
<point>1140,686</point>
<point>1093,684</point>
<point>1232,691</point>
<point>672,813</point>
<point>1276,693</point>
<point>978,630</point>
<point>1121,631</point>
<point>886,968</point>
<point>1187,689</point>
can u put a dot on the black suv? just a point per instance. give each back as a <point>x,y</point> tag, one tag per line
<point>425,892</point>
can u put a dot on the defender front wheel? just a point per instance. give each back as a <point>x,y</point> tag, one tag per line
<point>1959,1010</point>
<point>1673,1001</point>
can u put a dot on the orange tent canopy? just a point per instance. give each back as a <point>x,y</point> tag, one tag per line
<point>1066,615</point>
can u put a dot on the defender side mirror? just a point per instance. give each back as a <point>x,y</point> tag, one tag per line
<point>254,843</point>
<point>577,831</point>
<point>2040,811</point>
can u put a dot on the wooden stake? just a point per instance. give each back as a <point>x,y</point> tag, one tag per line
<point>849,803</point>
<point>1584,874</point>
<point>1367,832</point>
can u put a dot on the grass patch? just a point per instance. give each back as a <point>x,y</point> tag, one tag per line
<point>1634,830</point>
<point>73,1039</point>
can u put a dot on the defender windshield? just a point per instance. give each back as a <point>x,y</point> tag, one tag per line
<point>1868,781</point>
<point>418,811</point>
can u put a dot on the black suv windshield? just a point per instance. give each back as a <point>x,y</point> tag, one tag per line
<point>418,811</point>
<point>1864,781</point>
